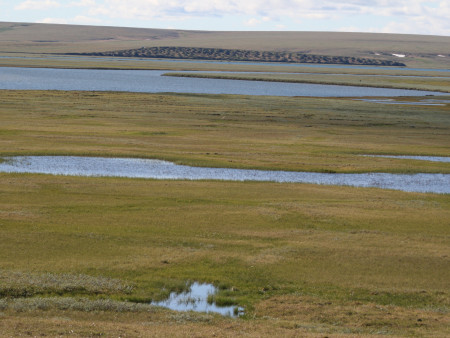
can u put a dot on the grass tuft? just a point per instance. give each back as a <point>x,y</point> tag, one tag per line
<point>22,284</point>
<point>71,304</point>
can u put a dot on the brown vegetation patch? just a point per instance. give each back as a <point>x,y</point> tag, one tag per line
<point>240,55</point>
<point>355,317</point>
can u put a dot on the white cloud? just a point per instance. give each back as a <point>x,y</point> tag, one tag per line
<point>319,16</point>
<point>349,29</point>
<point>421,25</point>
<point>82,3</point>
<point>405,16</point>
<point>320,9</point>
<point>280,27</point>
<point>37,4</point>
<point>85,20</point>
<point>53,20</point>
<point>422,19</point>
<point>156,8</point>
<point>252,22</point>
<point>77,20</point>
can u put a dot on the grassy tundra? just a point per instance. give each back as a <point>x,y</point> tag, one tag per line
<point>84,256</point>
<point>303,134</point>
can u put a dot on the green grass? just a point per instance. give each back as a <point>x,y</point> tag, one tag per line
<point>24,284</point>
<point>257,241</point>
<point>311,134</point>
<point>71,304</point>
<point>83,255</point>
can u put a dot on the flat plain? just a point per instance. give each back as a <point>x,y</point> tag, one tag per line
<point>301,259</point>
<point>84,256</point>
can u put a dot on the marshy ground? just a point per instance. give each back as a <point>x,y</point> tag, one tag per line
<point>85,256</point>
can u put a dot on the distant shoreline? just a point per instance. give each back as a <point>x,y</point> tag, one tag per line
<point>336,83</point>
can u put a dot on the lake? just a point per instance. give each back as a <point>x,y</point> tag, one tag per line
<point>156,169</point>
<point>151,81</point>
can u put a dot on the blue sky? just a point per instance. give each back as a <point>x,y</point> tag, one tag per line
<point>381,16</point>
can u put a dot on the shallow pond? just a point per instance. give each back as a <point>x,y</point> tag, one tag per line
<point>151,81</point>
<point>156,169</point>
<point>196,299</point>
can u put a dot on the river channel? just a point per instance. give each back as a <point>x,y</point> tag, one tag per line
<point>152,81</point>
<point>156,169</point>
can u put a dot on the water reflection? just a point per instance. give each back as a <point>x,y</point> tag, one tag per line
<point>151,81</point>
<point>412,157</point>
<point>196,299</point>
<point>143,168</point>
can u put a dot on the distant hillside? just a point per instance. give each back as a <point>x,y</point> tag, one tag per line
<point>240,55</point>
<point>412,50</point>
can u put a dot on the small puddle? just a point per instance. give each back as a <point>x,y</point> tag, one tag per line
<point>196,299</point>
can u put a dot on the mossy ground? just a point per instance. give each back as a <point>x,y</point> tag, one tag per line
<point>303,134</point>
<point>301,259</point>
<point>296,256</point>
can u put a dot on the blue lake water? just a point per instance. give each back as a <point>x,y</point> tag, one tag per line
<point>156,169</point>
<point>150,81</point>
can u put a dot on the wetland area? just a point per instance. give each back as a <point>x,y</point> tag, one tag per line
<point>220,236</point>
<point>199,298</point>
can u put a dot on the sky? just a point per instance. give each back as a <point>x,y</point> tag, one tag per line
<point>430,17</point>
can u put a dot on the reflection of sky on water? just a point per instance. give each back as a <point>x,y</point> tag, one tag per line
<point>411,157</point>
<point>196,299</point>
<point>143,168</point>
<point>151,81</point>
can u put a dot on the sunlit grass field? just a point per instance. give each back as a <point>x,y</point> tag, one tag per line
<point>84,256</point>
<point>311,134</point>
<point>291,254</point>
